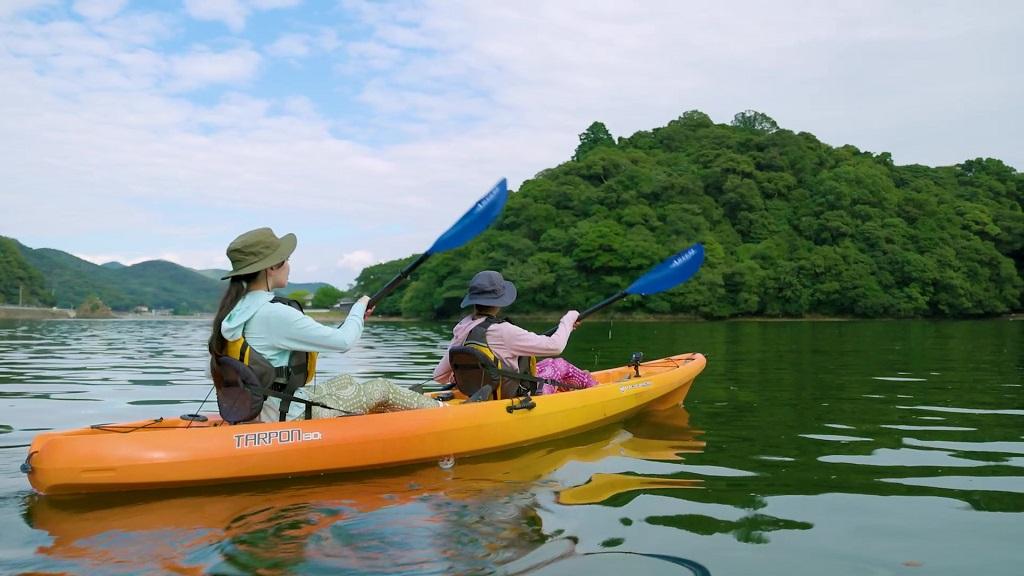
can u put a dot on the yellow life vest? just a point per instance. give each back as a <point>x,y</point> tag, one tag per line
<point>474,365</point>
<point>300,370</point>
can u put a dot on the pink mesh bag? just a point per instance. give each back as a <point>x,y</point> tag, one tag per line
<point>563,371</point>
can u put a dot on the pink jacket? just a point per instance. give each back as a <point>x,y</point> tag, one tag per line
<point>509,342</point>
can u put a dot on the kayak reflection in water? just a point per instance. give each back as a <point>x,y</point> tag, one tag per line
<point>482,337</point>
<point>273,338</point>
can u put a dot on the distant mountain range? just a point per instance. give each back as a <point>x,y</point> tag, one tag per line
<point>67,280</point>
<point>311,287</point>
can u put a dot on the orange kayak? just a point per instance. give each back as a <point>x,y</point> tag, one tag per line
<point>82,527</point>
<point>171,452</point>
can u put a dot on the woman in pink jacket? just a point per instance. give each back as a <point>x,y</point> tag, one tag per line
<point>488,293</point>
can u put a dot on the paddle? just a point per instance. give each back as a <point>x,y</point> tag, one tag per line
<point>472,223</point>
<point>672,272</point>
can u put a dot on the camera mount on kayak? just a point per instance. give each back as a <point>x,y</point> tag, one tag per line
<point>634,363</point>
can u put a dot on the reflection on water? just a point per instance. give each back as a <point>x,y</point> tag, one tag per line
<point>749,529</point>
<point>602,487</point>
<point>804,448</point>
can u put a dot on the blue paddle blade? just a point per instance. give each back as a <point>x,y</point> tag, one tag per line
<point>670,273</point>
<point>474,221</point>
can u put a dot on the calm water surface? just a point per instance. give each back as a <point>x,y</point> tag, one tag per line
<point>834,448</point>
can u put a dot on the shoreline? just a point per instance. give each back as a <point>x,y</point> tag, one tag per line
<point>31,313</point>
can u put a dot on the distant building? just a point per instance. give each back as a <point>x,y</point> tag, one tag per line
<point>343,305</point>
<point>141,310</point>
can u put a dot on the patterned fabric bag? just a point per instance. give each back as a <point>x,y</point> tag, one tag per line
<point>561,370</point>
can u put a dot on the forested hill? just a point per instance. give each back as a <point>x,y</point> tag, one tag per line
<point>64,280</point>
<point>791,226</point>
<point>48,277</point>
<point>20,283</point>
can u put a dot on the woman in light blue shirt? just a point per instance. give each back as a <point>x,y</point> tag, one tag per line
<point>259,261</point>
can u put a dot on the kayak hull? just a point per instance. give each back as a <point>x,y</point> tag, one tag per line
<point>173,452</point>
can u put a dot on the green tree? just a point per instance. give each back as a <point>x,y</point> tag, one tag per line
<point>595,136</point>
<point>93,307</point>
<point>756,121</point>
<point>791,227</point>
<point>326,296</point>
<point>373,278</point>
<point>299,296</point>
<point>20,282</point>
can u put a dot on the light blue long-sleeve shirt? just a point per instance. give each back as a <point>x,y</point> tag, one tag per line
<point>275,330</point>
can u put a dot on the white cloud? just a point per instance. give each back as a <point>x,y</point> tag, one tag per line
<point>373,55</point>
<point>197,259</point>
<point>234,111</point>
<point>327,40</point>
<point>301,107</point>
<point>274,4</point>
<point>290,46</point>
<point>98,9</point>
<point>12,7</point>
<point>298,45</point>
<point>232,13</point>
<point>357,260</point>
<point>106,258</point>
<point>866,75</point>
<point>203,67</point>
<point>137,29</point>
<point>103,146</point>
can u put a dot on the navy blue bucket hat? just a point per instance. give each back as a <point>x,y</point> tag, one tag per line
<point>488,288</point>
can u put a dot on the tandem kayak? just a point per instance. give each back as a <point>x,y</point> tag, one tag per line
<point>179,451</point>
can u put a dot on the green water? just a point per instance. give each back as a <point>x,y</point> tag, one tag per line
<point>834,448</point>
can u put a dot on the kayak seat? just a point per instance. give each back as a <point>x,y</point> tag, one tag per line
<point>484,393</point>
<point>473,370</point>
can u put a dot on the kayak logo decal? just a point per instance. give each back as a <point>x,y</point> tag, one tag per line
<point>290,436</point>
<point>683,259</point>
<point>634,386</point>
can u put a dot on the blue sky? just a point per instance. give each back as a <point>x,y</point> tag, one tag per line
<point>162,129</point>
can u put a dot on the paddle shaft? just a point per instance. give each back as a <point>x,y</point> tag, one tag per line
<point>398,279</point>
<point>596,307</point>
